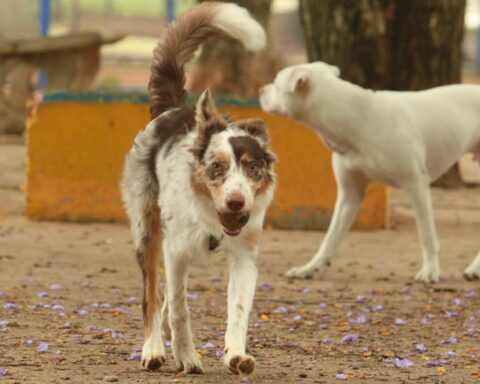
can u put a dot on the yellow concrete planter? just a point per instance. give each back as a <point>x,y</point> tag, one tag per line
<point>77,145</point>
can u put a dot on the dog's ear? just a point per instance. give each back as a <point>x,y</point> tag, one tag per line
<point>254,127</point>
<point>206,110</point>
<point>209,121</point>
<point>335,70</point>
<point>298,81</point>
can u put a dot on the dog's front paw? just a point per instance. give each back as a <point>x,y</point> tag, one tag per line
<point>153,355</point>
<point>240,365</point>
<point>428,274</point>
<point>189,365</point>
<point>471,273</point>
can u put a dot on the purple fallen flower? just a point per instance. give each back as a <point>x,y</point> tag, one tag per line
<point>421,348</point>
<point>399,321</point>
<point>378,308</point>
<point>359,320</point>
<point>425,320</point>
<point>450,353</point>
<point>120,310</point>
<point>435,363</point>
<point>105,305</point>
<point>349,339</point>
<point>218,354</point>
<point>470,294</point>
<point>192,296</point>
<point>43,294</point>
<point>28,342</point>
<point>83,312</point>
<point>56,287</point>
<point>451,314</point>
<point>10,306</point>
<point>360,299</point>
<point>132,299</point>
<point>168,344</point>
<point>280,310</point>
<point>456,301</point>
<point>327,341</point>
<point>1,293</point>
<point>207,346</point>
<point>323,326</point>
<point>297,318</point>
<point>116,335</point>
<point>402,363</point>
<point>404,289</point>
<point>94,305</point>
<point>265,285</point>
<point>107,330</point>
<point>349,314</point>
<point>42,347</point>
<point>46,305</point>
<point>340,376</point>
<point>323,305</point>
<point>135,356</point>
<point>215,279</point>
<point>451,340</point>
<point>57,307</point>
<point>68,324</point>
<point>3,372</point>
<point>306,290</point>
<point>4,323</point>
<point>90,327</point>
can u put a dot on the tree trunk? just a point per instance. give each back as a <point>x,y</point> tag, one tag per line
<point>227,68</point>
<point>389,44</point>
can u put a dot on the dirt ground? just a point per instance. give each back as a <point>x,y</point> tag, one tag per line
<point>77,288</point>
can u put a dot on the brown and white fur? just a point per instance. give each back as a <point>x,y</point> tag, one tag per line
<point>193,182</point>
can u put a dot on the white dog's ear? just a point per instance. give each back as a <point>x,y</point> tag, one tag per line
<point>298,81</point>
<point>335,70</point>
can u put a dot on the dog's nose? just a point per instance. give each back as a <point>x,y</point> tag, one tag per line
<point>235,202</point>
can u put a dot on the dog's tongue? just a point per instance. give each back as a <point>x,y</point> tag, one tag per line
<point>231,232</point>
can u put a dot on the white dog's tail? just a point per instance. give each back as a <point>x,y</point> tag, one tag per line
<point>181,40</point>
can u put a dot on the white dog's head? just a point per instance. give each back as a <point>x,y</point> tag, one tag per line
<point>292,85</point>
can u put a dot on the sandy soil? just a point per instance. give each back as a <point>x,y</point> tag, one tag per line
<point>77,287</point>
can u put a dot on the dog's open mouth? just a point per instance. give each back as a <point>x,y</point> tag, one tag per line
<point>233,223</point>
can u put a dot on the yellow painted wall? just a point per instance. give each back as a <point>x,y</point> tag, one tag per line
<point>76,153</point>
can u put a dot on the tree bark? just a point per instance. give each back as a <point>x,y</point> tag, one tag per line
<point>389,44</point>
<point>227,68</point>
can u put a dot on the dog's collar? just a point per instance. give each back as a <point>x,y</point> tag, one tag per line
<point>214,243</point>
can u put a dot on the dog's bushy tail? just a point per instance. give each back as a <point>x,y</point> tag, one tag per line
<point>182,39</point>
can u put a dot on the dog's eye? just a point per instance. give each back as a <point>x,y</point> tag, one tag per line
<point>216,166</point>
<point>252,166</point>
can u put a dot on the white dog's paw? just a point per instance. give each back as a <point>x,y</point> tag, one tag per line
<point>471,273</point>
<point>153,354</point>
<point>428,274</point>
<point>305,271</point>
<point>189,364</point>
<point>240,365</point>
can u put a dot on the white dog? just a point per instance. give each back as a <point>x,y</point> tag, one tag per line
<point>202,182</point>
<point>401,139</point>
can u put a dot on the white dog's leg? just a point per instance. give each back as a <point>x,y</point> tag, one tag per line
<point>473,270</point>
<point>166,335</point>
<point>241,290</point>
<point>176,267</point>
<point>351,190</point>
<point>422,204</point>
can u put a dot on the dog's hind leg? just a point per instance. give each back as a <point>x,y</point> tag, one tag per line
<point>420,197</point>
<point>148,244</point>
<point>351,191</point>
<point>176,268</point>
<point>473,270</point>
